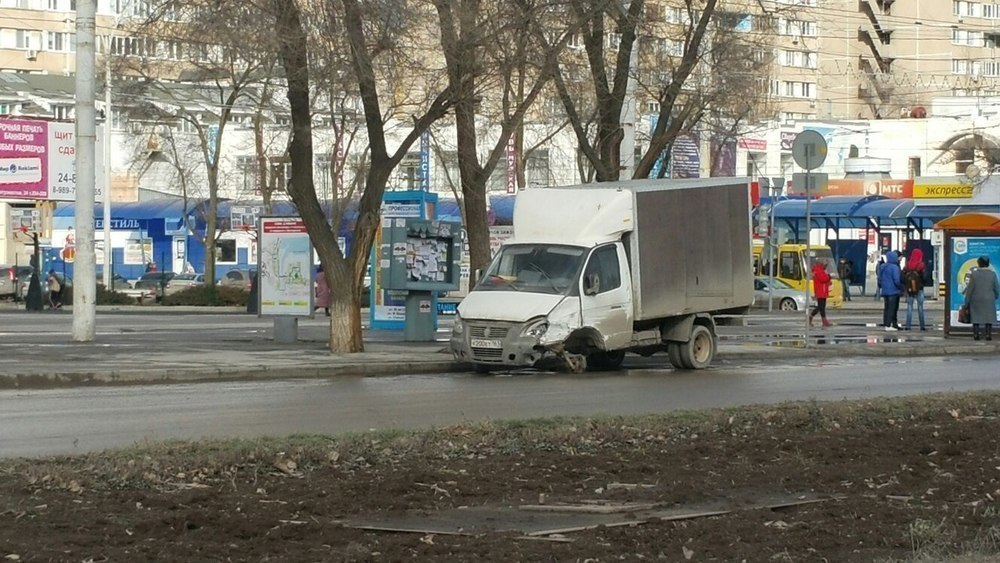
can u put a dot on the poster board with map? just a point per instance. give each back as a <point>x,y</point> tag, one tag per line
<point>284,267</point>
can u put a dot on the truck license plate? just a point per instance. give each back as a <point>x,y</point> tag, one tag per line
<point>486,343</point>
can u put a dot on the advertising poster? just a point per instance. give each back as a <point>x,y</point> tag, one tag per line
<point>390,305</point>
<point>685,159</point>
<point>38,160</point>
<point>965,251</point>
<point>285,281</point>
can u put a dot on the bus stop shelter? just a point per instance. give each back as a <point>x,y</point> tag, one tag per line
<point>967,236</point>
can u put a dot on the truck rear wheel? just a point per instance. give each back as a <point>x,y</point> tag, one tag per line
<point>674,354</point>
<point>697,353</point>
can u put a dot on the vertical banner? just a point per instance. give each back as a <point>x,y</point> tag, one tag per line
<point>284,267</point>
<point>685,158</point>
<point>661,161</point>
<point>511,165</point>
<point>339,168</point>
<point>425,161</point>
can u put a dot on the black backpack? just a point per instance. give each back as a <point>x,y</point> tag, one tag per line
<point>913,282</point>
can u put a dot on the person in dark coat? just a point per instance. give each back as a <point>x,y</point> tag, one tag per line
<point>878,276</point>
<point>981,294</point>
<point>890,282</point>
<point>846,272</point>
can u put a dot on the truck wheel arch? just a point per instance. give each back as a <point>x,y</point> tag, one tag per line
<point>678,329</point>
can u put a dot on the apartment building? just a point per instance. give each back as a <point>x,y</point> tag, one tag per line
<point>878,59</point>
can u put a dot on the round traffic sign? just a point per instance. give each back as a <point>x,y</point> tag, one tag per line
<point>809,149</point>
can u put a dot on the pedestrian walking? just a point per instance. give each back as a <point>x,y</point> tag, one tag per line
<point>981,294</point>
<point>890,283</point>
<point>878,276</point>
<point>55,290</point>
<point>322,292</point>
<point>846,272</point>
<point>913,282</point>
<point>821,289</point>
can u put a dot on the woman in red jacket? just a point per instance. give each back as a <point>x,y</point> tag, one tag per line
<point>821,286</point>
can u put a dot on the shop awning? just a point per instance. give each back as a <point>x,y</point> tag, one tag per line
<point>977,222</point>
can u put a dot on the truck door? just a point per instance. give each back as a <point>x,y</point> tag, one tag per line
<point>607,304</point>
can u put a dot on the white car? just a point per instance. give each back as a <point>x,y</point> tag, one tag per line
<point>786,297</point>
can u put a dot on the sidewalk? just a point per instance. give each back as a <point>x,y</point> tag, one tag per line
<point>226,344</point>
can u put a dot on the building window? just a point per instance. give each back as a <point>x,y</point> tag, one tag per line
<point>793,89</point>
<point>798,59</point>
<point>991,11</point>
<point>966,37</point>
<point>24,39</point>
<point>62,112</point>
<point>225,251</point>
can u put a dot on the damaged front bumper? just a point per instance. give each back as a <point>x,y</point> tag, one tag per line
<point>505,343</point>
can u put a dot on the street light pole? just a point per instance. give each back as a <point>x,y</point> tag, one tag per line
<point>84,291</point>
<point>107,162</point>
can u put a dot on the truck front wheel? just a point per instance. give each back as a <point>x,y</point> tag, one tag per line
<point>697,353</point>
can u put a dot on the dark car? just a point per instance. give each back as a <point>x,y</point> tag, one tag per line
<point>239,278</point>
<point>10,279</point>
<point>153,281</point>
<point>118,281</point>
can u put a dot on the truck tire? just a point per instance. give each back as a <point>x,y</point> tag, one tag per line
<point>606,360</point>
<point>697,353</point>
<point>674,354</point>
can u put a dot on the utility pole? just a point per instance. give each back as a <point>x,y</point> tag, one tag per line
<point>85,288</point>
<point>106,208</point>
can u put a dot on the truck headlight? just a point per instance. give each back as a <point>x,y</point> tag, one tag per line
<point>459,326</point>
<point>536,329</point>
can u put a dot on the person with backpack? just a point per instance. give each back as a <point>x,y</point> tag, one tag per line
<point>913,283</point>
<point>845,271</point>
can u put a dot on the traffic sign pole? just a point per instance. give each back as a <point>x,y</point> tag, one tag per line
<point>809,151</point>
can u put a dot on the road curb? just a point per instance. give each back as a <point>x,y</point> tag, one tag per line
<point>186,374</point>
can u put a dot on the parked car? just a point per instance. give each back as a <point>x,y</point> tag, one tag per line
<point>183,281</point>
<point>10,279</point>
<point>25,281</point>
<point>153,281</point>
<point>118,281</point>
<point>239,278</point>
<point>786,297</point>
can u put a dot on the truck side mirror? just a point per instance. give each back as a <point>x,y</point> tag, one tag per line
<point>591,284</point>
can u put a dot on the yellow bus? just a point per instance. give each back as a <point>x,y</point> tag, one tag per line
<point>789,265</point>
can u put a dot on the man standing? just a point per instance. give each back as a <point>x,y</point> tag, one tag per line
<point>890,282</point>
<point>845,271</point>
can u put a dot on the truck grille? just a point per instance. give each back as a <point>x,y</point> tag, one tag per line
<point>487,354</point>
<point>481,331</point>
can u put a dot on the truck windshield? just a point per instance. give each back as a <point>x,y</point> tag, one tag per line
<point>533,268</point>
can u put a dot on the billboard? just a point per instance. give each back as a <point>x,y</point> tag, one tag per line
<point>285,281</point>
<point>38,160</point>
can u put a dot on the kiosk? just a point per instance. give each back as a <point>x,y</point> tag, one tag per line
<point>966,237</point>
<point>421,258</point>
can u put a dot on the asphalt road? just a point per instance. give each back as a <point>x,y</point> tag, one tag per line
<point>66,421</point>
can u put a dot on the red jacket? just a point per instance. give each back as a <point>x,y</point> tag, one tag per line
<point>821,281</point>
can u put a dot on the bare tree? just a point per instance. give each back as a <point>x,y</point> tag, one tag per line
<point>376,34</point>
<point>704,58</point>
<point>216,55</point>
<point>495,67</point>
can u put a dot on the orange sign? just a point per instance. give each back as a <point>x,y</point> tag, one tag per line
<point>887,187</point>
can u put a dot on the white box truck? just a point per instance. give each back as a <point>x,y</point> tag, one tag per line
<point>598,270</point>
